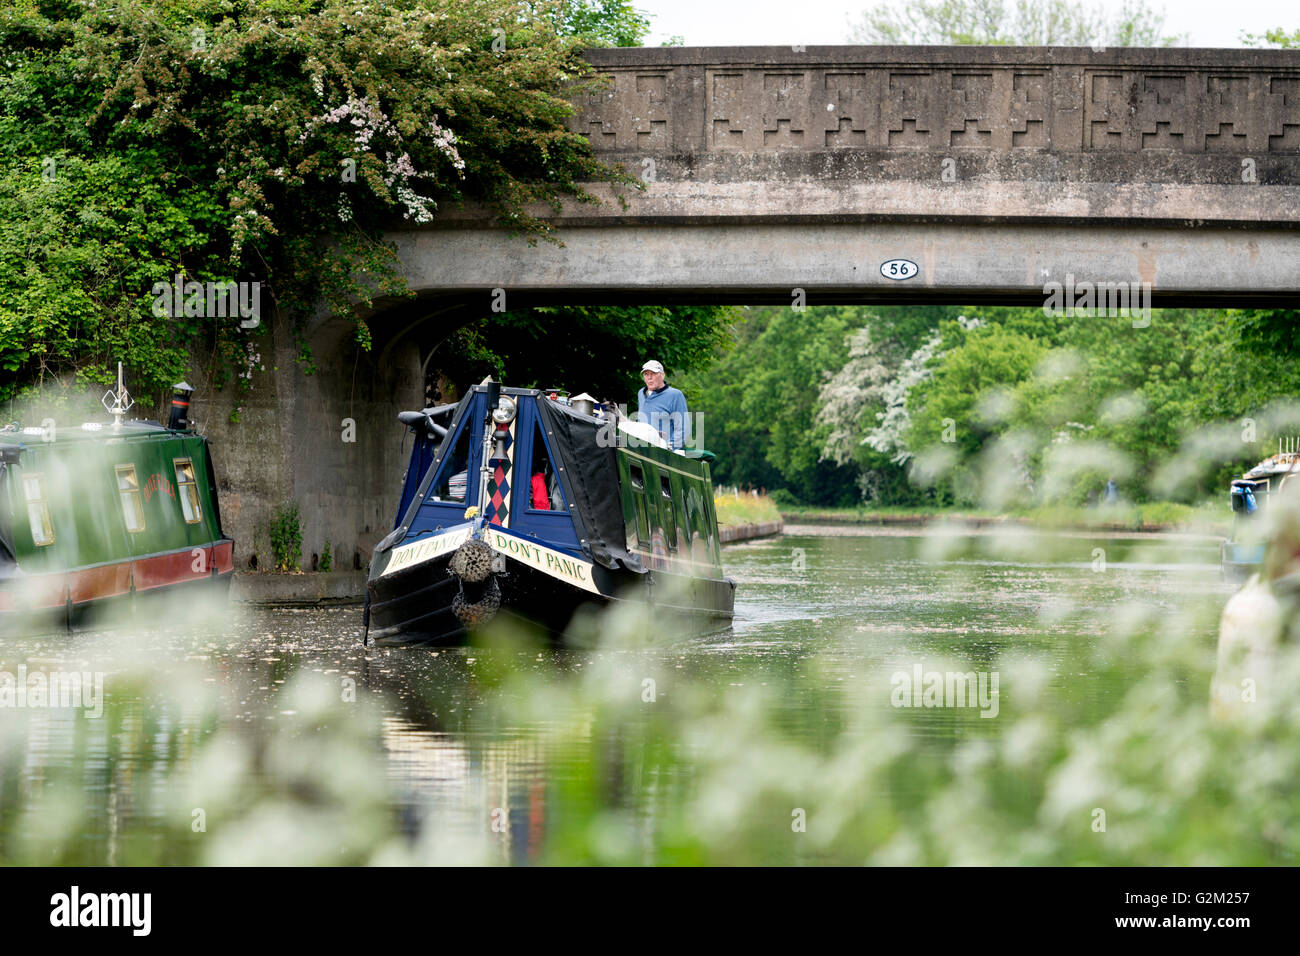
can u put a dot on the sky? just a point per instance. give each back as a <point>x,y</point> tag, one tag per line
<point>1206,23</point>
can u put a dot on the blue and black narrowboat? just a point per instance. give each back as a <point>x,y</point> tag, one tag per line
<point>523,503</point>
<point>99,518</point>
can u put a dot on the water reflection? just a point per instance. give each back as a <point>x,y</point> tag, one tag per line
<point>299,745</point>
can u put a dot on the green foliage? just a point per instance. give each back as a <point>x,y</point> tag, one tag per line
<point>1268,332</point>
<point>597,350</point>
<point>1022,23</point>
<point>783,498</point>
<point>1276,38</point>
<point>760,401</point>
<point>601,22</point>
<point>286,537</point>
<point>327,558</point>
<point>1026,22</point>
<point>1054,405</point>
<point>1128,398</point>
<point>262,140</point>
<point>990,360</point>
<point>764,401</point>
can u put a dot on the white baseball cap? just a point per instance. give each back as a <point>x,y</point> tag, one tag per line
<point>652,366</point>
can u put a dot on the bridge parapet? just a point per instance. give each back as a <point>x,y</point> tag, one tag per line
<point>994,172</point>
<point>1059,99</point>
<point>999,133</point>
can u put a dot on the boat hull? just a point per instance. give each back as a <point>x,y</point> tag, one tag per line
<point>414,606</point>
<point>135,607</point>
<point>1241,560</point>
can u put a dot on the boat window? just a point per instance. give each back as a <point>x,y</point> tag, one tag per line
<point>642,533</point>
<point>188,489</point>
<point>38,511</point>
<point>695,524</point>
<point>670,517</point>
<point>544,491</point>
<point>453,475</point>
<point>128,488</point>
<point>711,527</point>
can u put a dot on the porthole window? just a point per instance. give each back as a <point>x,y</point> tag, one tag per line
<point>188,489</point>
<point>38,510</point>
<point>128,489</point>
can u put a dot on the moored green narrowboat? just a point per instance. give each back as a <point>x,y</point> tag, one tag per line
<point>104,516</point>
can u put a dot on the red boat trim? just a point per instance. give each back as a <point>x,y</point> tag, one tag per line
<point>93,584</point>
<point>97,582</point>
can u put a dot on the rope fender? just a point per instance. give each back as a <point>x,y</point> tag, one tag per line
<point>472,561</point>
<point>476,604</point>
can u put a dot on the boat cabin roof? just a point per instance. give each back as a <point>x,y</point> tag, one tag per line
<point>13,441</point>
<point>1279,464</point>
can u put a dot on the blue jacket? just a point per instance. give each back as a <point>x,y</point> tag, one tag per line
<point>665,410</point>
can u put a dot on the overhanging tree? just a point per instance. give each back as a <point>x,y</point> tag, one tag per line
<point>266,140</point>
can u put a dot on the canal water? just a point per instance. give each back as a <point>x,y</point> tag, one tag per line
<point>1068,665</point>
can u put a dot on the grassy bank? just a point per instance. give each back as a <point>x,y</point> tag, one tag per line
<point>1210,517</point>
<point>740,507</point>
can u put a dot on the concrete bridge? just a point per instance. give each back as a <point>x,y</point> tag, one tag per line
<point>990,171</point>
<point>994,169</point>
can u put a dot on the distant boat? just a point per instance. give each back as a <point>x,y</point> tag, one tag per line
<point>96,518</point>
<point>1243,553</point>
<point>519,502</point>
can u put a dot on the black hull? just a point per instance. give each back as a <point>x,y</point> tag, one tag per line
<point>413,606</point>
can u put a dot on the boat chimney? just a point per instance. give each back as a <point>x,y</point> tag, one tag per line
<point>180,416</point>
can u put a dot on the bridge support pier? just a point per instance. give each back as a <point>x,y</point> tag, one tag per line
<point>328,442</point>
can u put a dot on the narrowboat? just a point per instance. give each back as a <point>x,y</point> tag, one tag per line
<point>1243,553</point>
<point>528,504</point>
<point>97,519</point>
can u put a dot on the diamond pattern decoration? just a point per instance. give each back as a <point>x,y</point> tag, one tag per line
<point>498,489</point>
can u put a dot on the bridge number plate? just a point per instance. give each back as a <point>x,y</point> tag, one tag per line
<point>899,269</point>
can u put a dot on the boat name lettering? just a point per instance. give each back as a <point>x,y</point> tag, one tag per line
<point>544,559</point>
<point>154,483</point>
<point>424,550</point>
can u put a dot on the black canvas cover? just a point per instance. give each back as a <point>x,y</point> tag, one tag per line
<point>592,486</point>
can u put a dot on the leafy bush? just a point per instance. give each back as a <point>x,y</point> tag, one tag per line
<point>261,140</point>
<point>286,537</point>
